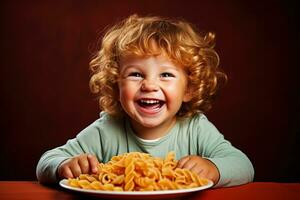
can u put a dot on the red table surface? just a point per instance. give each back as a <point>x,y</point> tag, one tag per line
<point>258,190</point>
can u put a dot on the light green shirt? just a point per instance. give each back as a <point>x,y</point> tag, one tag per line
<point>109,136</point>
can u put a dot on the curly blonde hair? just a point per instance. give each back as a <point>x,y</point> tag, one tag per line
<point>182,43</point>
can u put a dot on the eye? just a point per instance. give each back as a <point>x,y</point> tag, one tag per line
<point>135,74</point>
<point>167,75</point>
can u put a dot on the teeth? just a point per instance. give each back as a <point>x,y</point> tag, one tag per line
<point>149,101</point>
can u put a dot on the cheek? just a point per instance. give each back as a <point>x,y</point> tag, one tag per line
<point>172,90</point>
<point>172,94</point>
<point>124,98</point>
<point>123,94</point>
<point>126,92</point>
<point>175,90</point>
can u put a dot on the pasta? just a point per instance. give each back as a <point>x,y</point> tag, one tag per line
<point>137,171</point>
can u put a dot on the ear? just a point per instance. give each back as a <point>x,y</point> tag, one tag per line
<point>188,95</point>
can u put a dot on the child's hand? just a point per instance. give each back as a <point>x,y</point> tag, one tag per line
<point>201,166</point>
<point>81,164</point>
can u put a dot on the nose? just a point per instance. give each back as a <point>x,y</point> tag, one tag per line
<point>149,85</point>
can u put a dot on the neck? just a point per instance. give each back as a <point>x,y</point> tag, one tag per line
<point>151,133</point>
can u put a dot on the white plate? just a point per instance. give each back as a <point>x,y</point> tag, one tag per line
<point>162,194</point>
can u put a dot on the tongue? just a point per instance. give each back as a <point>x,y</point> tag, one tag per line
<point>150,106</point>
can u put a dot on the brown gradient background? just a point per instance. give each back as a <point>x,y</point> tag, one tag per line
<point>46,47</point>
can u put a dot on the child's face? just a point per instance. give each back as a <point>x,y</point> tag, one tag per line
<point>152,90</point>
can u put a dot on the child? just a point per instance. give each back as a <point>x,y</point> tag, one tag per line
<point>155,78</point>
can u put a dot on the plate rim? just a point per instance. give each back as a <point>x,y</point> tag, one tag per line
<point>63,183</point>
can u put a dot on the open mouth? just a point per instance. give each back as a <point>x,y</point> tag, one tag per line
<point>150,104</point>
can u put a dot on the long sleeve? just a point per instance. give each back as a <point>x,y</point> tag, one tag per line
<point>87,141</point>
<point>234,166</point>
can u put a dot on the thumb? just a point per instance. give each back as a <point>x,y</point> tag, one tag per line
<point>93,161</point>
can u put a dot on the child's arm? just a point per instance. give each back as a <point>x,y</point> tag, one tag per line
<point>60,162</point>
<point>81,164</point>
<point>216,158</point>
<point>201,166</point>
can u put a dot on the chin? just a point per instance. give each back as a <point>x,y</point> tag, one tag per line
<point>148,123</point>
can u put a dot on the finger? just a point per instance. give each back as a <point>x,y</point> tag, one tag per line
<point>67,173</point>
<point>197,169</point>
<point>93,162</point>
<point>189,164</point>
<point>182,161</point>
<point>84,164</point>
<point>75,168</point>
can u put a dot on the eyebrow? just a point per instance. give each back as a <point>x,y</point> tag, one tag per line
<point>163,65</point>
<point>131,65</point>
